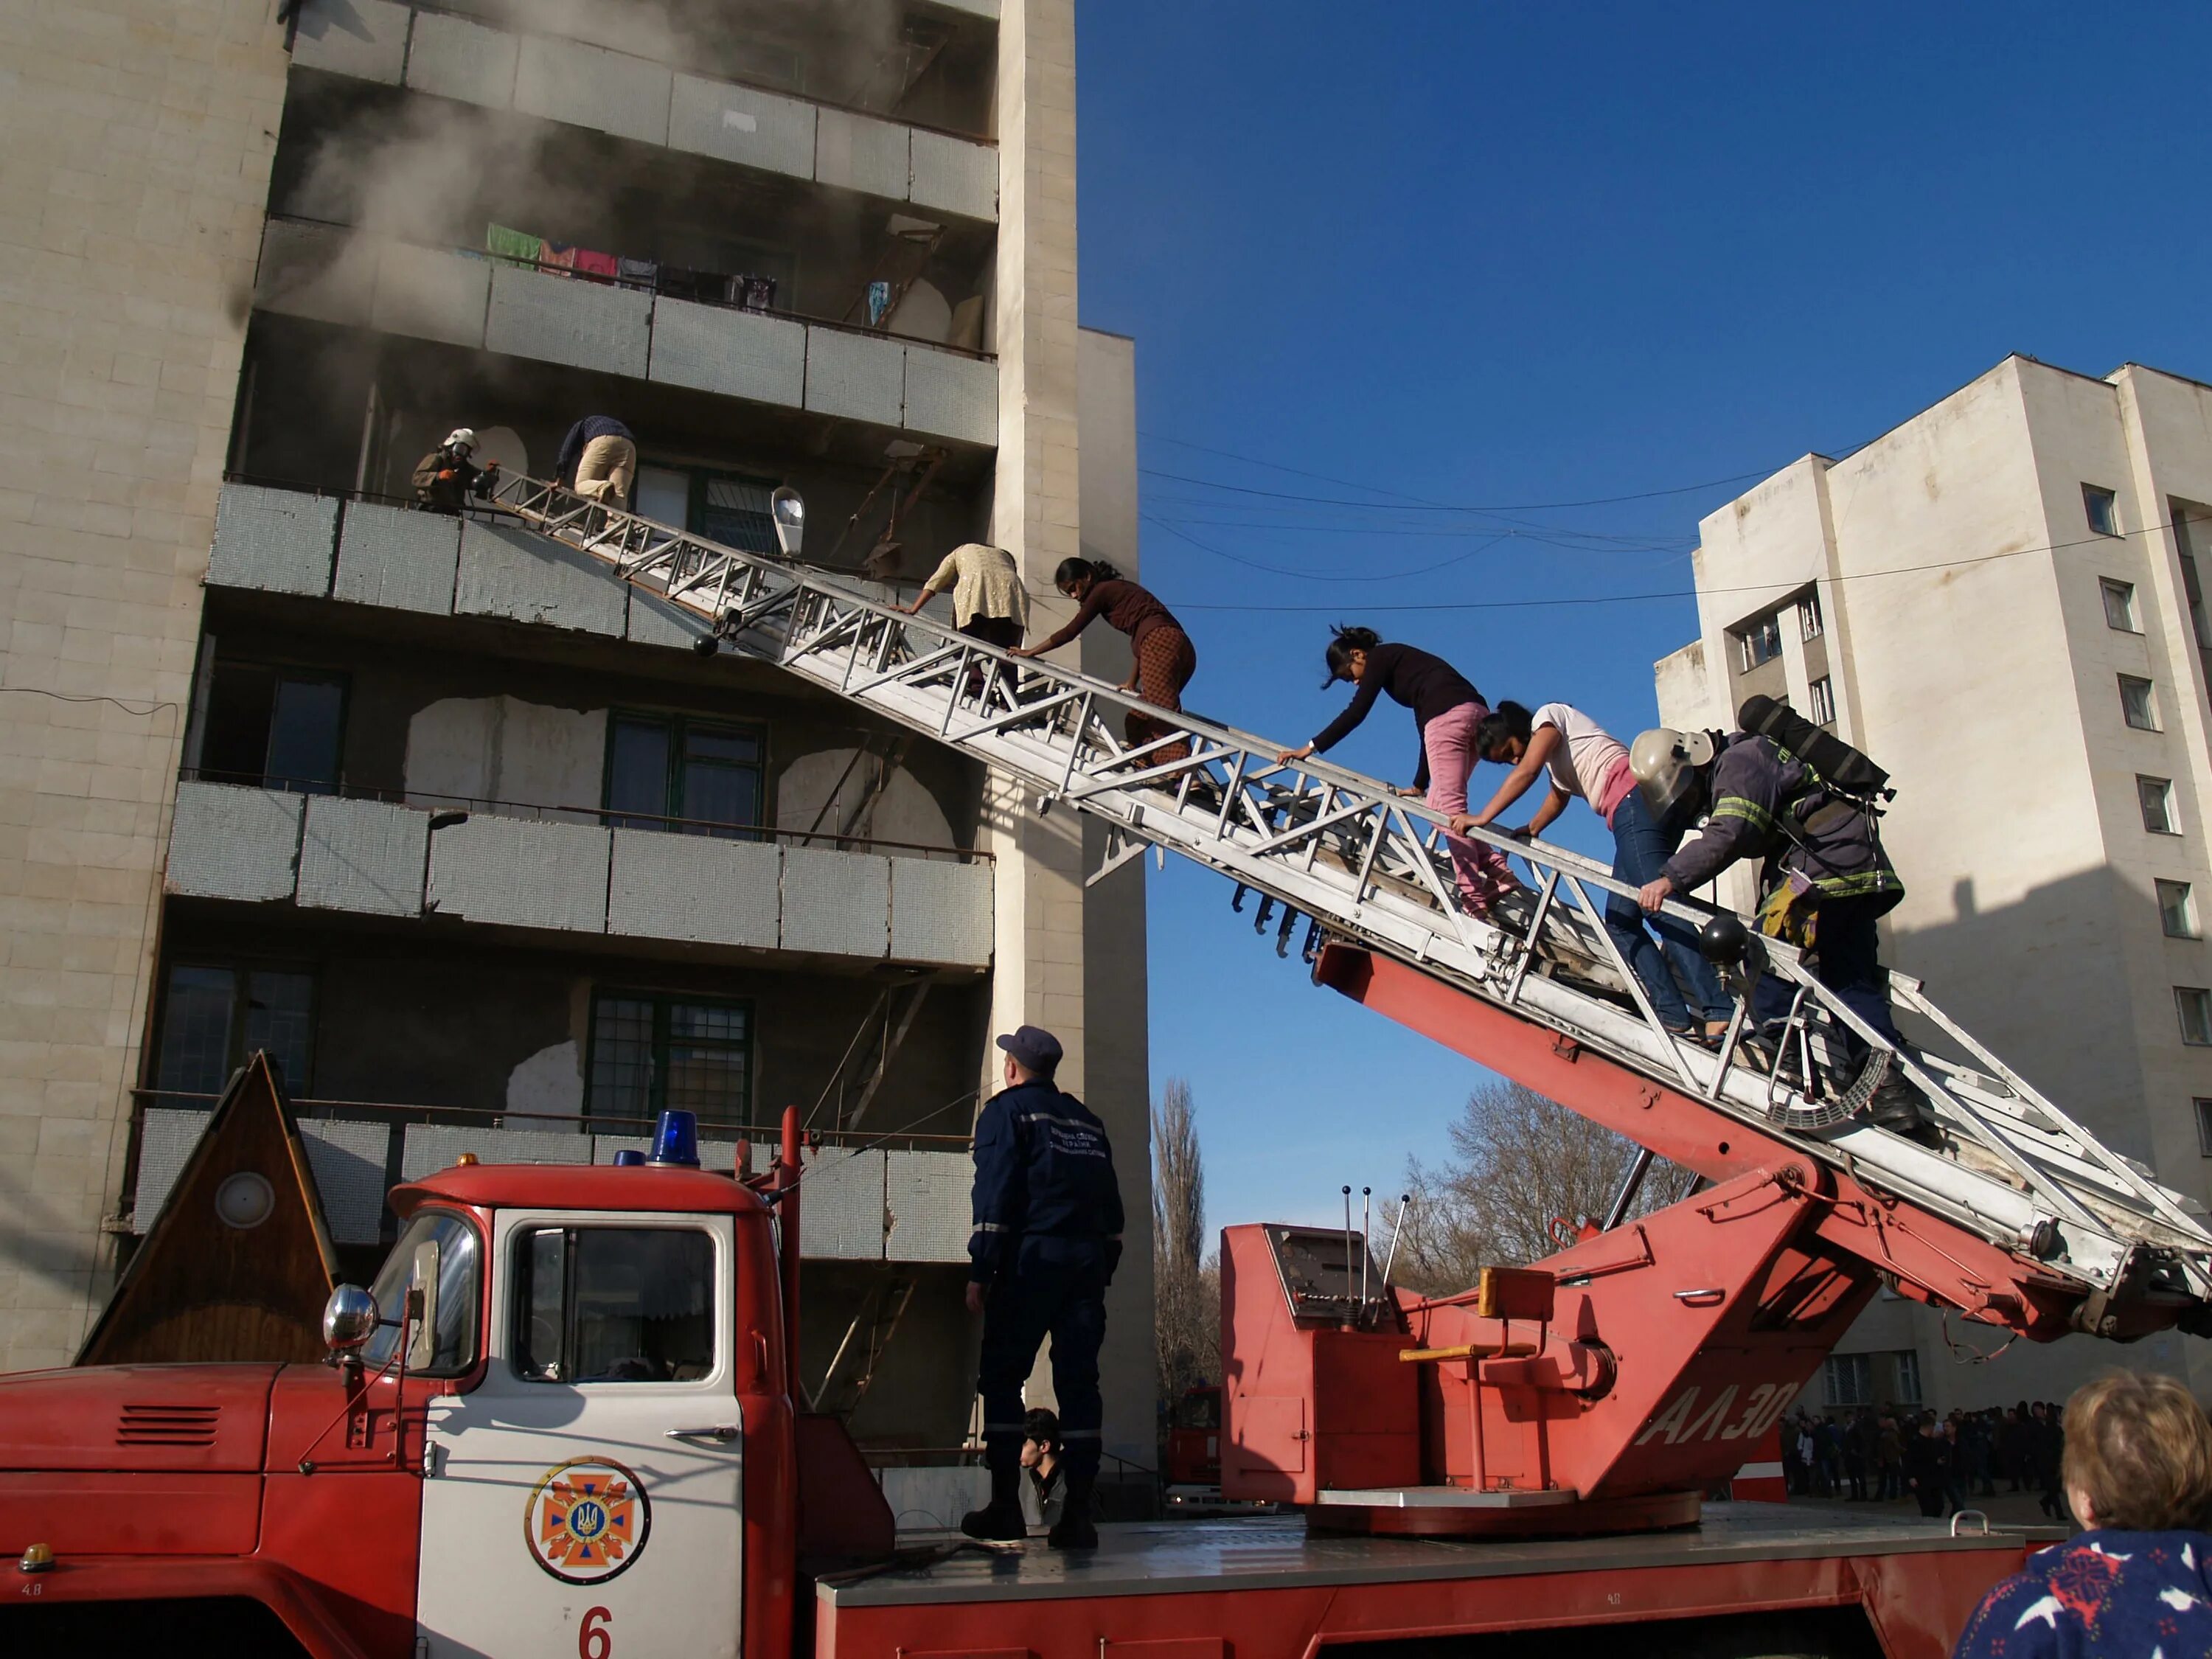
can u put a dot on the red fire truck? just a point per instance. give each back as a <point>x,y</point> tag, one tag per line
<point>561,1421</point>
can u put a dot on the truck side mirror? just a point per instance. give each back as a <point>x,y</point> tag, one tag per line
<point>349,1319</point>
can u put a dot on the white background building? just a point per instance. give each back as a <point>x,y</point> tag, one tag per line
<point>2000,601</point>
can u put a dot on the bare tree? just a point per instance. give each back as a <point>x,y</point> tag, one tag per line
<point>1186,1283</point>
<point>1522,1173</point>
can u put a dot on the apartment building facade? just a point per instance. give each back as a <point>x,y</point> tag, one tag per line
<point>2001,601</point>
<point>467,836</point>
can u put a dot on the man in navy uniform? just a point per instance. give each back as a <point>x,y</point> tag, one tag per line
<point>1046,1239</point>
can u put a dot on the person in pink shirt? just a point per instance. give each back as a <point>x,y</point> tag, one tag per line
<point>1584,760</point>
<point>1447,710</point>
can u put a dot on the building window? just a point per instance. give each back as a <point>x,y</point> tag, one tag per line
<point>1821,695</point>
<point>2177,910</point>
<point>654,1053</point>
<point>1759,641</point>
<point>2119,605</point>
<point>1850,1379</point>
<point>2102,509</point>
<point>1907,1365</point>
<point>2156,797</point>
<point>706,773</point>
<point>2136,706</point>
<point>2204,1127</point>
<point>1809,618</point>
<point>2194,1006</point>
<point>214,1017</point>
<point>278,728</point>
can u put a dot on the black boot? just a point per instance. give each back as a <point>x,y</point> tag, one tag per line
<point>1000,1521</point>
<point>1076,1530</point>
<point>1897,1106</point>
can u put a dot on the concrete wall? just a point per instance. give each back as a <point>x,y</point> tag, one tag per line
<point>134,154</point>
<point>1967,643</point>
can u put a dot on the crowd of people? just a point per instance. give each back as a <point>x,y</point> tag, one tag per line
<point>1943,1462</point>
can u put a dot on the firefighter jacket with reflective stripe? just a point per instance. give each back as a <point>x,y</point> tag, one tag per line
<point>1769,805</point>
<point>1042,1167</point>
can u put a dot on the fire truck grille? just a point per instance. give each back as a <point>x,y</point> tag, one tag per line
<point>166,1425</point>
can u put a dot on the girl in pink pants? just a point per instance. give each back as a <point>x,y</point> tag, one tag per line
<point>1446,710</point>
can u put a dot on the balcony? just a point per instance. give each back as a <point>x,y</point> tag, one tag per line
<point>865,1202</point>
<point>840,143</point>
<point>329,274</point>
<point>488,865</point>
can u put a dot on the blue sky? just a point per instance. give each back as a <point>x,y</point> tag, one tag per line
<point>1506,256</point>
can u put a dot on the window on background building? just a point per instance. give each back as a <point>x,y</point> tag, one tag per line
<point>1821,697</point>
<point>654,1053</point>
<point>1906,1366</point>
<point>2137,706</point>
<point>1809,618</point>
<point>2177,910</point>
<point>279,728</point>
<point>1759,641</point>
<point>2194,1003</point>
<point>671,766</point>
<point>2156,797</point>
<point>1850,1379</point>
<point>2119,604</point>
<point>213,1017</point>
<point>2103,509</point>
<point>2204,1127</point>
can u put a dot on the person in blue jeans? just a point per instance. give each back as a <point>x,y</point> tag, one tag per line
<point>1583,761</point>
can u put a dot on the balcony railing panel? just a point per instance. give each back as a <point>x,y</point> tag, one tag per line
<point>391,556</point>
<point>520,873</point>
<point>753,128</point>
<point>837,903</point>
<point>364,856</point>
<point>366,38</point>
<point>453,57</point>
<point>558,320</point>
<point>227,841</point>
<point>278,540</point>
<point>507,572</point>
<point>590,87</point>
<point>430,294</point>
<point>734,354</point>
<point>699,888</point>
<point>862,377</point>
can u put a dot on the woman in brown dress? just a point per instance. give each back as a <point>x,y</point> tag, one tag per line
<point>1164,658</point>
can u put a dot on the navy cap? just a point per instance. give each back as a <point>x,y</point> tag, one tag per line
<point>1035,1048</point>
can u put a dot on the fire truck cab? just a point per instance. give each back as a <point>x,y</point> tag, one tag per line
<point>558,1421</point>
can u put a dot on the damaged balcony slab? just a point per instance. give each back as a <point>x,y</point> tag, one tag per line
<point>510,573</point>
<point>634,97</point>
<point>368,858</point>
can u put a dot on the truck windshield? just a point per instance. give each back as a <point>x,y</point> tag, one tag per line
<point>441,1248</point>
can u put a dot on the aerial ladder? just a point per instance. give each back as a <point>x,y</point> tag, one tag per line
<point>1608,1387</point>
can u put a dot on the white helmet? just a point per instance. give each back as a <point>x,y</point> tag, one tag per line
<point>461,437</point>
<point>1666,763</point>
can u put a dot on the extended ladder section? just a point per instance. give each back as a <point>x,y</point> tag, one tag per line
<point>1367,865</point>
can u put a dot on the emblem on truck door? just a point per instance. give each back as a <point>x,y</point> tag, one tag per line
<point>587,1520</point>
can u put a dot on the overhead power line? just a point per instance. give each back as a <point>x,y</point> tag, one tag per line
<point>1680,593</point>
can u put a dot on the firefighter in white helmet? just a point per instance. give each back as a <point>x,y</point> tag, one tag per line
<point>1825,880</point>
<point>447,476</point>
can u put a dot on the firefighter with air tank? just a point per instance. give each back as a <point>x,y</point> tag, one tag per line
<point>1806,805</point>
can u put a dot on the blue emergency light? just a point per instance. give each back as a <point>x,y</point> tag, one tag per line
<point>628,1159</point>
<point>676,1139</point>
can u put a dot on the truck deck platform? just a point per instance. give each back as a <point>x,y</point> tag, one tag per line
<point>1239,1556</point>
